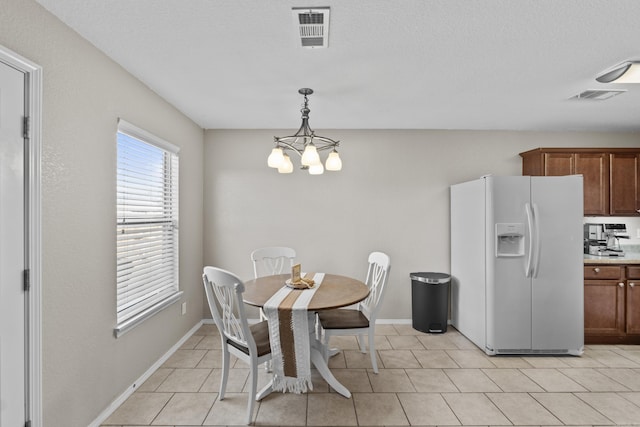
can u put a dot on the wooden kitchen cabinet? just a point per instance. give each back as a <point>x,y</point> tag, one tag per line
<point>625,195</point>
<point>604,308</point>
<point>594,168</point>
<point>611,304</point>
<point>558,164</point>
<point>611,175</point>
<point>633,300</point>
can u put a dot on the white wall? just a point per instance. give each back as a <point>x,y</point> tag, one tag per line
<point>392,195</point>
<point>84,367</point>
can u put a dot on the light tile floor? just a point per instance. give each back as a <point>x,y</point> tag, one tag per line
<point>424,380</point>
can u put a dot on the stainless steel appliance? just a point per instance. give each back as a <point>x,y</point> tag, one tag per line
<point>604,239</point>
<point>517,264</point>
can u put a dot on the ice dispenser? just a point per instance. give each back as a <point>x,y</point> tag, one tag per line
<point>510,239</point>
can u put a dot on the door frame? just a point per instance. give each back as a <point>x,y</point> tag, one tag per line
<point>33,108</point>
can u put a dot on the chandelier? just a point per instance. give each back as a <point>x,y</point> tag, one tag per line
<point>306,144</point>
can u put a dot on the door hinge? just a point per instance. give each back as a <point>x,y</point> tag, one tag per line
<point>26,280</point>
<point>25,127</point>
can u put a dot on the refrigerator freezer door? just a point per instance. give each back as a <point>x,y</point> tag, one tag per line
<point>468,268</point>
<point>508,289</point>
<point>557,286</point>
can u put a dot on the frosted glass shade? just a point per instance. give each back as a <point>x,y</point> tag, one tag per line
<point>286,166</point>
<point>316,169</point>
<point>333,161</point>
<point>310,155</point>
<point>276,158</point>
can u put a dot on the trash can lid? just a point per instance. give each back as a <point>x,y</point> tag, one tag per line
<point>429,277</point>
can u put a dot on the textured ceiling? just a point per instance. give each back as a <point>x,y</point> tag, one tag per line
<point>390,64</point>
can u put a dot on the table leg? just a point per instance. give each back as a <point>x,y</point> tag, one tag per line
<point>318,361</point>
<point>317,358</point>
<point>265,391</point>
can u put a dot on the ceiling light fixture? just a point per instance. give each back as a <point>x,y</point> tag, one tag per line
<point>307,145</point>
<point>627,72</point>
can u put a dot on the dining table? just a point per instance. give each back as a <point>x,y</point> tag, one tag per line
<point>336,291</point>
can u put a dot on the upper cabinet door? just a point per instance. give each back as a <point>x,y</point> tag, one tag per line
<point>558,164</point>
<point>594,168</point>
<point>624,184</point>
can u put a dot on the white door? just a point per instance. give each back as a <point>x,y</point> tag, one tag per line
<point>12,249</point>
<point>557,289</point>
<point>508,288</point>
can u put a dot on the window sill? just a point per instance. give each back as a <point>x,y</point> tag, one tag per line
<point>131,323</point>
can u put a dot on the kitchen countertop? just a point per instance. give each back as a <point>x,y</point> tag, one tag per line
<point>631,256</point>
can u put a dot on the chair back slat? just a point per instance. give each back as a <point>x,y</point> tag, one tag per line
<point>377,276</point>
<point>224,295</point>
<point>272,260</point>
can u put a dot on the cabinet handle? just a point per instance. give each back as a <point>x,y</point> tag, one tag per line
<point>621,284</point>
<point>631,285</point>
<point>597,270</point>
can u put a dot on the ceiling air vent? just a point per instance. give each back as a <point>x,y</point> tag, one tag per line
<point>597,95</point>
<point>312,26</point>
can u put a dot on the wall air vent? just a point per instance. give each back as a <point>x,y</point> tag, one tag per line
<point>597,95</point>
<point>312,26</point>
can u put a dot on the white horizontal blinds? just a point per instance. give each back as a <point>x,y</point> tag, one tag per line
<point>147,222</point>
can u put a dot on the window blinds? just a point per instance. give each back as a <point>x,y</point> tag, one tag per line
<point>147,225</point>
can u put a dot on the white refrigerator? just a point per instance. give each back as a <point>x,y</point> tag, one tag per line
<point>517,264</point>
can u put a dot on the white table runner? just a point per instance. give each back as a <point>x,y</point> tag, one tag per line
<point>286,312</point>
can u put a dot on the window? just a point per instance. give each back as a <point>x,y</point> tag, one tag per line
<point>147,226</point>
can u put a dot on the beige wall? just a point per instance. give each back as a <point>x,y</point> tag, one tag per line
<point>84,367</point>
<point>392,195</point>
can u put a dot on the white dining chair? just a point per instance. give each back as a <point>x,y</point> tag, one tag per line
<point>250,344</point>
<point>272,260</point>
<point>363,319</point>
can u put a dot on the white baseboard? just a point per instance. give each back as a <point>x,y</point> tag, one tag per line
<point>393,321</point>
<point>378,321</point>
<point>129,391</point>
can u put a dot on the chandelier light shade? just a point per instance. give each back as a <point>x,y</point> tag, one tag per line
<point>307,145</point>
<point>286,166</point>
<point>627,72</point>
<point>333,161</point>
<point>316,169</point>
<point>276,158</point>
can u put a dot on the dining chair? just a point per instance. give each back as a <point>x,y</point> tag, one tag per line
<point>363,319</point>
<point>250,344</point>
<point>272,260</point>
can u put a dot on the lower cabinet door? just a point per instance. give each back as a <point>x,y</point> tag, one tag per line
<point>604,308</point>
<point>633,306</point>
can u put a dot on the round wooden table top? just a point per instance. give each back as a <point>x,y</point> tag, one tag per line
<point>334,292</point>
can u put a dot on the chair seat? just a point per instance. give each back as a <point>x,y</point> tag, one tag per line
<point>343,319</point>
<point>260,332</point>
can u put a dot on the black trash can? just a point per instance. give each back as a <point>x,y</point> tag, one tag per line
<point>430,301</point>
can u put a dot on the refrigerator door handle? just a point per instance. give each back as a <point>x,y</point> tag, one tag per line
<point>536,258</point>
<point>528,270</point>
